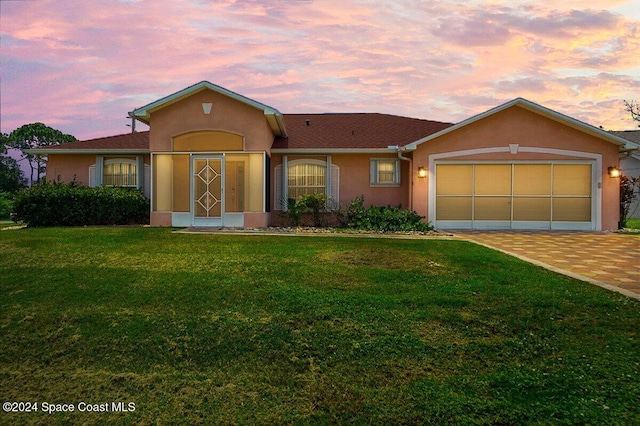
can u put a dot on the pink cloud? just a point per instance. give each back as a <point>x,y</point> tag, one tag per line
<point>82,65</point>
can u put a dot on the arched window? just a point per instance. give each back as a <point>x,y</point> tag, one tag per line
<point>120,172</point>
<point>306,176</point>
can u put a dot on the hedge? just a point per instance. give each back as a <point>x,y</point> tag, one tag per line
<point>70,204</point>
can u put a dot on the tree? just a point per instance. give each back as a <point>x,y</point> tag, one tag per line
<point>11,178</point>
<point>629,191</point>
<point>633,108</point>
<point>36,135</point>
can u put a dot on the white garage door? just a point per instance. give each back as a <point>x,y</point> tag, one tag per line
<point>514,196</point>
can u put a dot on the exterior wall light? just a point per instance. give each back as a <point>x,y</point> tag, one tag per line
<point>422,172</point>
<point>614,172</point>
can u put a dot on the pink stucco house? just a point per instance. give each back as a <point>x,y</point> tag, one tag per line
<point>213,157</point>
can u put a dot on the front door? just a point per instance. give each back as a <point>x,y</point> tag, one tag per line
<point>208,183</point>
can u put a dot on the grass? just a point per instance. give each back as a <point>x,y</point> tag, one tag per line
<point>227,329</point>
<point>633,223</point>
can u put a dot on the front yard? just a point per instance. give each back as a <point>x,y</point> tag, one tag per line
<point>227,329</point>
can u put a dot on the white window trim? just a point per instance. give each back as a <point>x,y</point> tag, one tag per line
<point>123,161</point>
<point>374,172</point>
<point>143,172</point>
<point>281,179</point>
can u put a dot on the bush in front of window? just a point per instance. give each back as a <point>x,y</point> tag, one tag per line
<point>382,219</point>
<point>70,204</point>
<point>314,205</point>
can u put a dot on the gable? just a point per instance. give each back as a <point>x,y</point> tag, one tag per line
<point>272,115</point>
<point>533,108</point>
<point>210,110</point>
<point>518,126</point>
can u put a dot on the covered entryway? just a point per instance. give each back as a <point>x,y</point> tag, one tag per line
<point>527,195</point>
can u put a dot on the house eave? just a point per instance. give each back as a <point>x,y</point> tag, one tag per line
<point>44,151</point>
<point>310,151</point>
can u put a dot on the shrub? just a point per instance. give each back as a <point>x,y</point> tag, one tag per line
<point>313,204</point>
<point>60,204</point>
<point>6,205</point>
<point>382,219</point>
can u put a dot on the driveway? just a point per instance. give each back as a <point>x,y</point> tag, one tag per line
<point>609,260</point>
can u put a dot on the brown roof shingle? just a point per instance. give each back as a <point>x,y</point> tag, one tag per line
<point>630,135</point>
<point>305,131</point>
<point>129,141</point>
<point>353,130</point>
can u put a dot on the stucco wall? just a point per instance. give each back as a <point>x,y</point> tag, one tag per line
<point>227,114</point>
<point>355,179</point>
<point>68,166</point>
<point>527,129</point>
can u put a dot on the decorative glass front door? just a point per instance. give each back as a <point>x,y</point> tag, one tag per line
<point>208,201</point>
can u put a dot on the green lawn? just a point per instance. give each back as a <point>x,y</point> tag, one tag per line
<point>227,329</point>
<point>633,223</point>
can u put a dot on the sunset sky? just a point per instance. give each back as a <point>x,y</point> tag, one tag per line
<point>80,66</point>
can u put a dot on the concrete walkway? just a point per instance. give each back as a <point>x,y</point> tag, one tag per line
<point>609,260</point>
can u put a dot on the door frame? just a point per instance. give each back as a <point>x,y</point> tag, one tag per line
<point>578,157</point>
<point>209,221</point>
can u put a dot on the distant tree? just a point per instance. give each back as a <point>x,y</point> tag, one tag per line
<point>11,178</point>
<point>633,108</point>
<point>36,135</point>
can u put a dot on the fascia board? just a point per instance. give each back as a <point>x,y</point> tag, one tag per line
<point>309,151</point>
<point>85,151</point>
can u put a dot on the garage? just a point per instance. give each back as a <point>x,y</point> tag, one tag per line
<point>515,195</point>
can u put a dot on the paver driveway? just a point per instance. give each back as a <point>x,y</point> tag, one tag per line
<point>606,259</point>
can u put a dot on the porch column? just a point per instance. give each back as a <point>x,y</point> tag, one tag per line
<point>140,172</point>
<point>285,183</point>
<point>328,178</point>
<point>99,170</point>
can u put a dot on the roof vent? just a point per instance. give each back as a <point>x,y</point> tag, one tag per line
<point>308,123</point>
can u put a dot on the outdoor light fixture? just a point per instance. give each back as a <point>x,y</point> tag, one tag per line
<point>614,172</point>
<point>422,172</point>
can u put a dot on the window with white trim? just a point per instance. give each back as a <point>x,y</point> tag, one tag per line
<point>385,171</point>
<point>120,172</point>
<point>306,176</point>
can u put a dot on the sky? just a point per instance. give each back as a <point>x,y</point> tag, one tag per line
<point>80,66</point>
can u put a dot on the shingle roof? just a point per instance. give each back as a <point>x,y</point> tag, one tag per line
<point>324,131</point>
<point>353,130</point>
<point>138,141</point>
<point>632,135</point>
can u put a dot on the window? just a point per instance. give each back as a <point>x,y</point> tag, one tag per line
<point>119,173</point>
<point>385,171</point>
<point>305,176</point>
